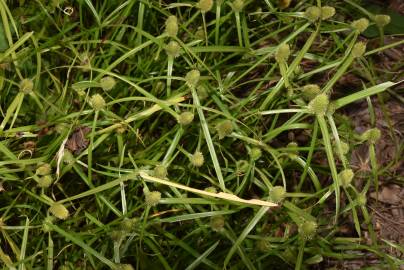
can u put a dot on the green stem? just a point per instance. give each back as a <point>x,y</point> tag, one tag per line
<point>90,148</point>
<point>240,37</point>
<point>331,162</point>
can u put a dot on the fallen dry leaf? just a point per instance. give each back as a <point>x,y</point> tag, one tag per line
<point>392,194</point>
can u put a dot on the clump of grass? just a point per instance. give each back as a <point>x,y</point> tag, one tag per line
<point>159,135</point>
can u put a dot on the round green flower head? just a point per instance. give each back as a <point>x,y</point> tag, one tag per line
<point>344,148</point>
<point>358,49</point>
<point>293,153</point>
<point>242,166</point>
<point>361,200</point>
<point>59,210</point>
<point>192,77</point>
<point>263,245</point>
<point>117,235</point>
<point>382,20</point>
<point>310,91</point>
<point>26,86</point>
<point>152,198</point>
<point>185,118</point>
<point>312,13</point>
<point>68,157</point>
<point>160,171</point>
<point>202,92</point>
<point>307,230</point>
<point>371,135</point>
<point>205,5</point>
<point>277,194</point>
<point>172,26</point>
<point>217,223</point>
<point>360,25</point>
<point>283,52</point>
<point>45,181</point>
<point>128,224</point>
<point>44,169</point>
<point>327,12</point>
<point>107,83</point>
<point>238,5</point>
<point>46,221</point>
<point>173,49</point>
<point>224,128</point>
<point>255,153</point>
<point>319,104</point>
<point>97,102</point>
<point>200,33</point>
<point>197,159</point>
<point>345,177</point>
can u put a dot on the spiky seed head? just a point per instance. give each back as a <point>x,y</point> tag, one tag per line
<point>152,198</point>
<point>173,49</point>
<point>360,25</point>
<point>217,223</point>
<point>45,181</point>
<point>26,86</point>
<point>312,13</point>
<point>192,77</point>
<point>332,107</point>
<point>327,12</point>
<point>97,102</point>
<point>117,235</point>
<point>307,230</point>
<point>319,104</point>
<point>68,157</point>
<point>185,118</point>
<point>238,5</point>
<point>277,194</point>
<point>310,91</point>
<point>44,169</point>
<point>224,128</point>
<point>85,62</point>
<point>263,245</point>
<point>197,159</point>
<point>293,153</point>
<point>205,5</point>
<point>242,166</point>
<point>200,33</point>
<point>255,153</point>
<point>283,52</point>
<point>358,49</point>
<point>371,135</point>
<point>160,171</point>
<point>46,221</point>
<point>128,224</point>
<point>298,70</point>
<point>344,148</point>
<point>361,200</point>
<point>202,92</point>
<point>172,26</point>
<point>345,177</point>
<point>125,266</point>
<point>107,83</point>
<point>59,210</point>
<point>382,20</point>
<point>61,128</point>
